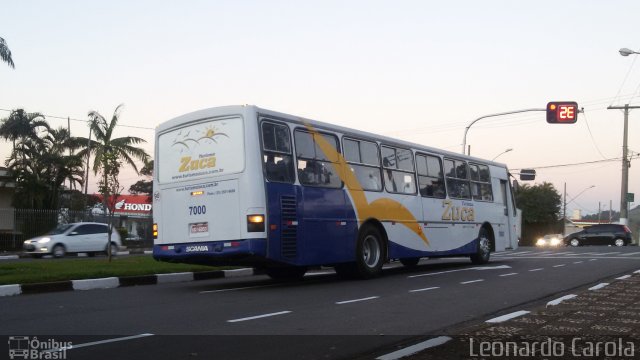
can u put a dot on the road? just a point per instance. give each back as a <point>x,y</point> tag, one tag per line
<point>342,318</point>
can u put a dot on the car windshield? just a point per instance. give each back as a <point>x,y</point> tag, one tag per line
<point>60,229</point>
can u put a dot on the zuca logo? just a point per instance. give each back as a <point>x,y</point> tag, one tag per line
<point>123,205</point>
<point>188,164</point>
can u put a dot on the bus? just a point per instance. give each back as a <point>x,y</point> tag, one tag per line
<point>242,185</point>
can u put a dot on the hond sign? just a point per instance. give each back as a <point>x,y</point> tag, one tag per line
<point>132,205</point>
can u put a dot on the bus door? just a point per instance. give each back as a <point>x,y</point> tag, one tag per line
<point>510,215</point>
<point>324,225</point>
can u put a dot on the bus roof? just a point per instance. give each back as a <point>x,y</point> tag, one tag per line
<point>242,109</point>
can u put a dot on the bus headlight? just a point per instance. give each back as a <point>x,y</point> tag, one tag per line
<point>155,231</point>
<point>255,223</point>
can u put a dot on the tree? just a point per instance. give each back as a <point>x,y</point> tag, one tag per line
<point>541,210</point>
<point>109,187</point>
<point>21,125</point>
<point>5,53</point>
<point>144,186</point>
<point>110,153</point>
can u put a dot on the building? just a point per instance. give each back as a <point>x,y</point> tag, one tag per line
<point>133,212</point>
<point>7,189</point>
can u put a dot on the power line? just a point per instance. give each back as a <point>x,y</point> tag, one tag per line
<point>577,164</point>
<point>87,121</point>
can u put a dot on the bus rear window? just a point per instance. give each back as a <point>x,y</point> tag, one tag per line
<point>207,148</point>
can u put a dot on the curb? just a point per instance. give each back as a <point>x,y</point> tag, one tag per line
<point>115,282</point>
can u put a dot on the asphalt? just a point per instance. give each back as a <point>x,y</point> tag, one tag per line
<point>598,322</point>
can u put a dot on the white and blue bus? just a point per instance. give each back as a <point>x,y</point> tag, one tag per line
<point>241,185</point>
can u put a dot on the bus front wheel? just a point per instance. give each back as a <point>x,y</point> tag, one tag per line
<point>483,252</point>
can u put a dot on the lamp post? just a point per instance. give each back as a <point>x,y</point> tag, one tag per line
<point>624,188</point>
<point>466,130</point>
<point>504,152</point>
<point>564,212</point>
<point>627,52</point>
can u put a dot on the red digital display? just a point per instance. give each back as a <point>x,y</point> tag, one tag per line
<point>565,112</point>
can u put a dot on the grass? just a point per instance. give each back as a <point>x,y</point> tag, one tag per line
<point>46,270</point>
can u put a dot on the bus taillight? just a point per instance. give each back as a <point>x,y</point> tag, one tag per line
<point>155,231</point>
<point>255,223</point>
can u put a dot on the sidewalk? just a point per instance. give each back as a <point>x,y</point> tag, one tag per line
<point>595,323</point>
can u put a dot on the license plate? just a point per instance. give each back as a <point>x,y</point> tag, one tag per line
<point>199,229</point>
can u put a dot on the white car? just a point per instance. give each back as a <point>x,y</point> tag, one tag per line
<point>86,237</point>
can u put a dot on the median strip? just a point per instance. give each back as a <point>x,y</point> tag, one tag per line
<point>559,300</point>
<point>506,317</point>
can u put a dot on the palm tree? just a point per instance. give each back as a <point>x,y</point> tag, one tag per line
<point>105,144</point>
<point>5,53</point>
<point>109,154</point>
<point>22,125</point>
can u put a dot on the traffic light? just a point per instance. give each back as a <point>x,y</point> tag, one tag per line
<point>562,112</point>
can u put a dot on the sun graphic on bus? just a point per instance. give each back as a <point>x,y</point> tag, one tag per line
<point>187,140</point>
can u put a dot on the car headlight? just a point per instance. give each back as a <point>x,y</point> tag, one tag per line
<point>541,242</point>
<point>44,240</point>
<point>555,242</point>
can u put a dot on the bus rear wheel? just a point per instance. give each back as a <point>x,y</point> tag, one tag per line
<point>370,252</point>
<point>483,252</point>
<point>286,273</point>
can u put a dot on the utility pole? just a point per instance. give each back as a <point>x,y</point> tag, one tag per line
<point>564,212</point>
<point>625,163</point>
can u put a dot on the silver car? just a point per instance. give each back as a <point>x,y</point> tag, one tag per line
<point>86,237</point>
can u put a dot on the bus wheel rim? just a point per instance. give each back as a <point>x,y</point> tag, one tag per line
<point>371,251</point>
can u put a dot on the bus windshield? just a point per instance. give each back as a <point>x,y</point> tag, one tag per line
<point>208,148</point>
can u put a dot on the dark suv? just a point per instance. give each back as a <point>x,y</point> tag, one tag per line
<point>601,234</point>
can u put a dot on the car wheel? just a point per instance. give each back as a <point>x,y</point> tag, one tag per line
<point>574,242</point>
<point>58,251</point>
<point>410,262</point>
<point>370,253</point>
<point>618,242</point>
<point>483,253</point>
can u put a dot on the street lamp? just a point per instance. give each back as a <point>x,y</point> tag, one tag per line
<point>504,152</point>
<point>627,52</point>
<point>625,161</point>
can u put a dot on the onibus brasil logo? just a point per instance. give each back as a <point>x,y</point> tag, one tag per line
<point>25,347</point>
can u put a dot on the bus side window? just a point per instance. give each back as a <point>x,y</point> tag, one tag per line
<point>457,179</point>
<point>430,178</point>
<point>399,173</point>
<point>276,145</point>
<point>314,166</point>
<point>364,162</point>
<point>481,182</point>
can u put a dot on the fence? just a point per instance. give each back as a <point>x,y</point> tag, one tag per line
<point>18,225</point>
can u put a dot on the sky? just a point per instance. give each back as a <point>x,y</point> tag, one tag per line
<point>416,70</point>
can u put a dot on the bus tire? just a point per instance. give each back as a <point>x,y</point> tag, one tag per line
<point>370,252</point>
<point>286,273</point>
<point>410,262</point>
<point>483,253</point>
